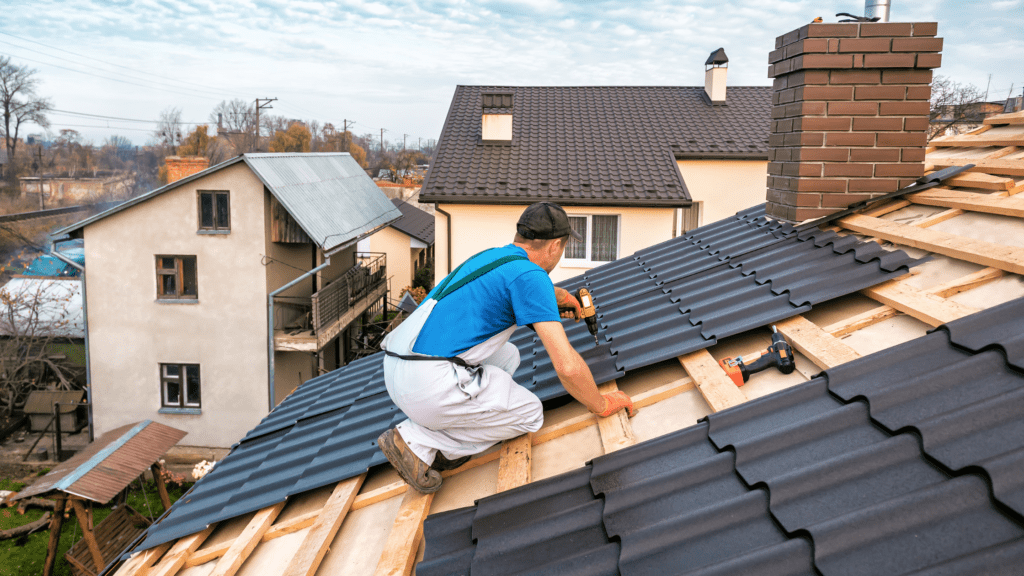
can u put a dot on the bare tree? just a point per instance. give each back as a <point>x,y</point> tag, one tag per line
<point>39,318</point>
<point>19,102</point>
<point>169,130</point>
<point>954,107</point>
<point>236,124</point>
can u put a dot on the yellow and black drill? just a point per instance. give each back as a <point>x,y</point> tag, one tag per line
<point>589,312</point>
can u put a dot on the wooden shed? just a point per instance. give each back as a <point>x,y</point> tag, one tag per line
<point>98,474</point>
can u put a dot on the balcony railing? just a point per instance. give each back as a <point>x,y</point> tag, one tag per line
<point>337,298</point>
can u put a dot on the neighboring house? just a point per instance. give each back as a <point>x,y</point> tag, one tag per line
<point>632,165</point>
<point>177,283</point>
<point>408,243</point>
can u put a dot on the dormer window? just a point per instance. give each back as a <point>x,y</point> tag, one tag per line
<point>214,212</point>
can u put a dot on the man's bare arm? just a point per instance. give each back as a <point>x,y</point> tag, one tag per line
<point>571,368</point>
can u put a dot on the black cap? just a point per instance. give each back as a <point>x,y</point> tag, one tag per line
<point>545,221</point>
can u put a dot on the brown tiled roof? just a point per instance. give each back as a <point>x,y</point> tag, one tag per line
<point>593,145</point>
<point>414,222</point>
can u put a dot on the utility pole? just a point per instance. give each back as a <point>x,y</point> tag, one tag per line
<point>266,104</point>
<point>345,137</point>
<point>404,136</point>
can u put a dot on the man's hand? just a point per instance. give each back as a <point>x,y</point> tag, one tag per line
<point>615,401</point>
<point>566,300</point>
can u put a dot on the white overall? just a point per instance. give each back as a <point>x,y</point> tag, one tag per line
<point>453,409</point>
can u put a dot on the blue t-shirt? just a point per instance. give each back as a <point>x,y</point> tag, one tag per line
<point>515,293</point>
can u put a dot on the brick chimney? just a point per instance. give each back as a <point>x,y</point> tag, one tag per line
<point>496,127</point>
<point>179,167</point>
<point>849,115</point>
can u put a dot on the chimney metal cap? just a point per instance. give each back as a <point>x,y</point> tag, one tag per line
<point>717,58</point>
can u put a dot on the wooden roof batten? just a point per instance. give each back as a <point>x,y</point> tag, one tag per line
<point>989,188</point>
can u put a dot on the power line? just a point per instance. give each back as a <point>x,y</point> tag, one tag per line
<point>100,76</point>
<point>122,119</point>
<point>95,59</point>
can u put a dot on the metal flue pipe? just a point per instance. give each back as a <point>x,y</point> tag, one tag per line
<point>879,8</point>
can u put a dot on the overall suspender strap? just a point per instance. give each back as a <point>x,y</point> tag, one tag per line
<point>444,290</point>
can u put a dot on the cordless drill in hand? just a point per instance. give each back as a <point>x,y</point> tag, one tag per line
<point>589,312</point>
<point>779,354</point>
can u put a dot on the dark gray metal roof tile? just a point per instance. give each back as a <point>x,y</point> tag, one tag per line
<point>450,547</point>
<point>593,144</point>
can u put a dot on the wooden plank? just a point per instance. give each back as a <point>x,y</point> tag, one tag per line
<point>87,534</point>
<point>247,541</point>
<point>820,347</point>
<point>1009,258</point>
<point>980,180</point>
<point>516,463</point>
<point>928,308</point>
<point>545,434</point>
<point>616,431</point>
<point>886,208</point>
<point>400,549</point>
<point>143,561</point>
<point>318,540</point>
<point>965,283</point>
<point>1004,167</point>
<point>940,217</point>
<point>971,201</point>
<point>279,529</point>
<point>987,139</point>
<point>56,523</point>
<point>862,320</point>
<point>161,488</point>
<point>718,389</point>
<point>944,290</point>
<point>182,549</point>
<point>1012,118</point>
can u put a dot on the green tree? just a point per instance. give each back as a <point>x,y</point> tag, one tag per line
<point>295,139</point>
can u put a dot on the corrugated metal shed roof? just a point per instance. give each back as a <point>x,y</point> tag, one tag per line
<point>650,311</point>
<point>328,194</point>
<point>593,145</point>
<point>908,461</point>
<point>43,307</point>
<point>109,464</point>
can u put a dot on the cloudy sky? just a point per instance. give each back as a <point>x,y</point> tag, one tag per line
<point>394,64</point>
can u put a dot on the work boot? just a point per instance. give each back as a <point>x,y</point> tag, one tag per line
<point>441,463</point>
<point>414,471</point>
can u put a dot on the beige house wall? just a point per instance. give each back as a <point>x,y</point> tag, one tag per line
<point>397,246</point>
<point>724,187</point>
<point>476,227</point>
<point>225,332</point>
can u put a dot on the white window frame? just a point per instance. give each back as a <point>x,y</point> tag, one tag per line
<point>589,240</point>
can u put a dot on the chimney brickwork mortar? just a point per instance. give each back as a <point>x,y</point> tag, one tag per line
<point>849,114</point>
<point>179,167</point>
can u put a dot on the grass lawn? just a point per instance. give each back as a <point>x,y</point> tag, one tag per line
<point>28,559</point>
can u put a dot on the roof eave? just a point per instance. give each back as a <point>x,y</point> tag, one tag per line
<point>526,200</point>
<point>140,199</point>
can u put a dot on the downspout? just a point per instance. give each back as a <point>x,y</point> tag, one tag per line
<point>270,326</point>
<point>85,326</point>
<point>448,228</point>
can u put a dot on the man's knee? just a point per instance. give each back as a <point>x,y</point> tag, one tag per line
<point>534,415</point>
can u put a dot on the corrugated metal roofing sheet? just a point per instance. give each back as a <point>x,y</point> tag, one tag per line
<point>328,194</point>
<point>326,430</point>
<point>908,461</point>
<point>110,463</point>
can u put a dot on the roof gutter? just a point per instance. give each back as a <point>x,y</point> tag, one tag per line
<point>448,233</point>
<point>270,326</point>
<point>85,326</point>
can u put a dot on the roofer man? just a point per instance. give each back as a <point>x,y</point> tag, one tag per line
<point>449,366</point>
